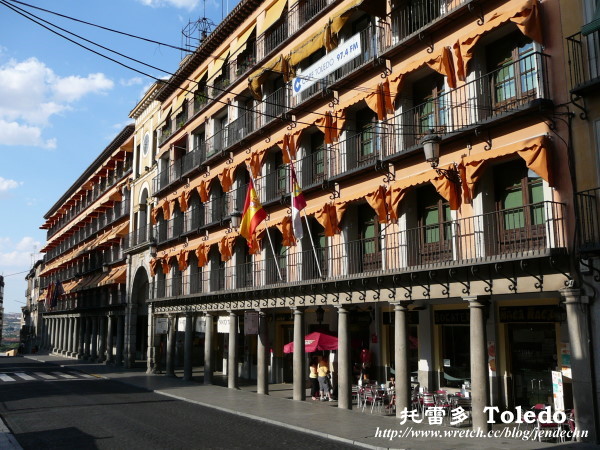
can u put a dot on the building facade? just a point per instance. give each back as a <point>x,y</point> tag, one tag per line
<point>430,144</point>
<point>83,279</point>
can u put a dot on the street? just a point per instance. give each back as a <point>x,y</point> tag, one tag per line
<point>51,407</point>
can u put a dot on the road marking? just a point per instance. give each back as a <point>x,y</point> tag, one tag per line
<point>5,377</point>
<point>63,375</point>
<point>24,376</point>
<point>44,375</point>
<point>81,375</point>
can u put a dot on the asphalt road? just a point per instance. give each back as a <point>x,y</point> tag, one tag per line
<point>49,407</point>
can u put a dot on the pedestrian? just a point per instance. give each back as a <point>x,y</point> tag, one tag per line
<point>314,380</point>
<point>322,371</point>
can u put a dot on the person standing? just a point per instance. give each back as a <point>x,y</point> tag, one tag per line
<point>322,371</point>
<point>314,380</point>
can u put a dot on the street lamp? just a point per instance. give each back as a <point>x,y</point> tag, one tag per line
<point>236,218</point>
<point>431,149</point>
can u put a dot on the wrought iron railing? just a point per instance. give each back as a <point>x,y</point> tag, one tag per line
<point>526,232</point>
<point>409,18</point>
<point>583,58</point>
<point>589,220</point>
<point>140,236</point>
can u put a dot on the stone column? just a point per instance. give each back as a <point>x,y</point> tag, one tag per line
<point>480,382</point>
<point>208,349</point>
<point>583,392</point>
<point>402,369</point>
<point>75,337</point>
<point>101,339</point>
<point>299,355</point>
<point>65,343</point>
<point>187,346</point>
<point>120,340</point>
<point>344,369</point>
<point>61,329</point>
<point>262,354</point>
<point>70,333</point>
<point>232,355</point>
<point>94,349</point>
<point>52,345</point>
<point>170,366</point>
<point>81,339</point>
<point>87,338</point>
<point>109,339</point>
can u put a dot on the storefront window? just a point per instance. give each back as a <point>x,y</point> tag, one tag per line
<point>456,342</point>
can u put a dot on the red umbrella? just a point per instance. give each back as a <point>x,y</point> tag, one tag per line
<point>314,342</point>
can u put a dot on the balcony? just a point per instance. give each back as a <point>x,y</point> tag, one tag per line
<point>589,220</point>
<point>193,218</point>
<point>192,160</point>
<point>410,18</point>
<point>167,177</point>
<point>584,62</point>
<point>515,234</point>
<point>141,236</point>
<point>168,230</point>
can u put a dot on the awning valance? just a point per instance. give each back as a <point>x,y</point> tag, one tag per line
<point>241,42</point>
<point>534,151</point>
<point>273,14</point>
<point>217,65</point>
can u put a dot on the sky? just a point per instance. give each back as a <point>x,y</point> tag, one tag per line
<point>61,105</point>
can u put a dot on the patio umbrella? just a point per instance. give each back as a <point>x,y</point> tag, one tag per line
<point>314,342</point>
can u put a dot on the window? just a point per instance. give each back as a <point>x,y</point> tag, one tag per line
<point>514,71</point>
<point>313,166</point>
<point>276,272</point>
<point>244,269</point>
<point>519,199</point>
<point>365,253</point>
<point>311,270</point>
<point>435,227</point>
<point>432,110</point>
<point>456,355</point>
<point>146,144</point>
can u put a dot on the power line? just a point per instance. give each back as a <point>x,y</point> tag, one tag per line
<point>27,15</point>
<point>100,26</point>
<point>16,273</point>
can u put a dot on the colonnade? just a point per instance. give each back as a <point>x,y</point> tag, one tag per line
<point>85,337</point>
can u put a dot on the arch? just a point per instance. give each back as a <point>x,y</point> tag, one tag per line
<point>139,319</point>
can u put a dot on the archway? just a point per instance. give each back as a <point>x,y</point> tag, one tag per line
<point>139,311</point>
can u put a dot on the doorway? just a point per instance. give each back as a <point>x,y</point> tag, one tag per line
<point>533,358</point>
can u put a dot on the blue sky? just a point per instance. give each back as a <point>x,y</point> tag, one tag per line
<point>60,105</point>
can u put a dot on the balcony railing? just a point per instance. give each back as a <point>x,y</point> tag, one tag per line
<point>526,232</point>
<point>274,185</point>
<point>584,59</point>
<point>193,218</point>
<point>410,18</point>
<point>193,159</point>
<point>589,219</point>
<point>140,236</point>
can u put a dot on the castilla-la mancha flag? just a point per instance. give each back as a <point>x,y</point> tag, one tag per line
<point>298,204</point>
<point>253,213</point>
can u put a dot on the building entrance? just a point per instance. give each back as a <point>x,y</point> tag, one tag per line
<point>533,357</point>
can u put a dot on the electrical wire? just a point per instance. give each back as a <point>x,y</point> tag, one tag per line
<point>35,19</point>
<point>101,27</point>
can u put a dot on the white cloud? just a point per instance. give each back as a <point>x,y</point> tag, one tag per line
<point>185,4</point>
<point>31,93</point>
<point>14,133</point>
<point>131,82</point>
<point>18,255</point>
<point>72,88</point>
<point>7,184</point>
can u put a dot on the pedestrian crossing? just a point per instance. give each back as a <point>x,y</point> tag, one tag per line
<point>9,377</point>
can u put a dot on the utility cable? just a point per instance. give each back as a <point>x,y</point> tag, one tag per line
<point>26,14</point>
<point>100,26</point>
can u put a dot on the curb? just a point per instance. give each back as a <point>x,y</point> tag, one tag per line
<point>7,439</point>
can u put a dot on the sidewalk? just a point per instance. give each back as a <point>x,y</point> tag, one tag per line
<point>320,418</point>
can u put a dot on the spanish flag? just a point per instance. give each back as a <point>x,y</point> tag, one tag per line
<point>253,213</point>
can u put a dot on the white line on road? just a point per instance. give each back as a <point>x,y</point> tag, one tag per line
<point>44,375</point>
<point>81,375</point>
<point>5,377</point>
<point>63,375</point>
<point>24,376</point>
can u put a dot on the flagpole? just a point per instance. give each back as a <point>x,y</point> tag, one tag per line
<point>313,245</point>
<point>267,230</point>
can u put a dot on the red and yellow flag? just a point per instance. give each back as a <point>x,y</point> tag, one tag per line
<point>253,213</point>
